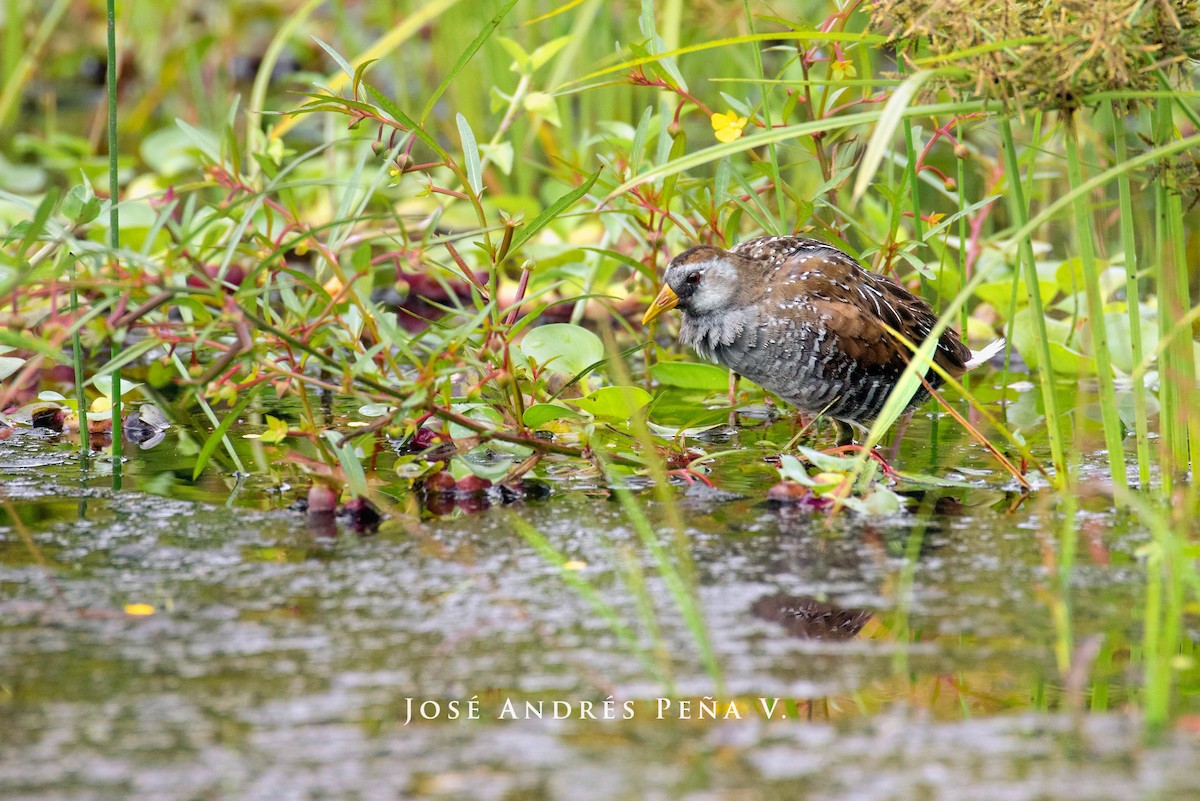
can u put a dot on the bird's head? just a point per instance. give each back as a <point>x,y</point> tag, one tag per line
<point>701,280</point>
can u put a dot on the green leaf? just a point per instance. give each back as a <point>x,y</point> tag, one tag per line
<point>691,375</point>
<point>1025,335</point>
<point>563,348</point>
<point>999,293</point>
<point>925,480</point>
<point>500,154</point>
<point>621,403</point>
<point>519,56</point>
<point>168,151</point>
<point>277,430</point>
<point>9,365</point>
<point>543,106</point>
<point>793,469</point>
<point>387,106</point>
<point>352,469</point>
<point>466,56</point>
<point>81,205</point>
<point>541,413</point>
<point>471,154</point>
<point>552,211</point>
<point>885,130</point>
<point>375,409</point>
<point>549,50</point>
<point>1070,362</point>
<point>103,383</point>
<point>476,411</point>
<point>214,439</point>
<point>827,462</point>
<point>342,63</point>
<point>878,502</point>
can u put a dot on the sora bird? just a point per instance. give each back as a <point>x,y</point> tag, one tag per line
<point>805,321</point>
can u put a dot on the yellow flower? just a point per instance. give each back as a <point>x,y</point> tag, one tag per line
<point>728,126</point>
<point>844,68</point>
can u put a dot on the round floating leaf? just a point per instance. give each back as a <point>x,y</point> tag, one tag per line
<point>542,413</point>
<point>691,375</point>
<point>475,411</point>
<point>562,347</point>
<point>1070,362</point>
<point>619,402</point>
<point>104,384</point>
<point>678,408</point>
<point>1024,337</point>
<point>375,409</point>
<point>999,293</point>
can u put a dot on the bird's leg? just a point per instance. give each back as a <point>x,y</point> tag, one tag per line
<point>898,436</point>
<point>691,476</point>
<point>733,382</point>
<point>845,432</point>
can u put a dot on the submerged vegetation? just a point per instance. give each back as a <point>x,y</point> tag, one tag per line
<point>437,229</point>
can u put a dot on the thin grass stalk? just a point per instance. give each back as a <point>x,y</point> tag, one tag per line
<point>593,598</point>
<point>85,443</point>
<point>678,573</point>
<point>1170,420</point>
<point>927,291</point>
<point>1020,214</point>
<point>114,229</point>
<point>1060,598</point>
<point>1013,296</point>
<point>773,155</point>
<point>1132,298</point>
<point>903,598</point>
<point>1095,310</point>
<point>13,38</point>
<point>1183,343</point>
<point>964,233</point>
<point>1162,612</point>
<point>1101,669</point>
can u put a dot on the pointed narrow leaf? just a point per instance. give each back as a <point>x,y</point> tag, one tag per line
<point>466,56</point>
<point>881,139</point>
<point>552,211</point>
<point>471,154</point>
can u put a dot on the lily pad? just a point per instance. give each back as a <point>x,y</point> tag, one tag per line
<point>619,402</point>
<point>542,413</point>
<point>563,348</point>
<point>691,375</point>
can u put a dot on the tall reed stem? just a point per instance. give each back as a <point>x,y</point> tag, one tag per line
<point>1176,368</point>
<point>114,231</point>
<point>85,443</point>
<point>1095,310</point>
<point>1132,297</point>
<point>1020,215</point>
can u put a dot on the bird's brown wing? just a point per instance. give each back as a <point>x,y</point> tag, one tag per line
<point>858,307</point>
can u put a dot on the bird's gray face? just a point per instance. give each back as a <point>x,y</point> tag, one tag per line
<point>699,281</point>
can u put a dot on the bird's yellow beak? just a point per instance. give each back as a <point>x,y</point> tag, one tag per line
<point>666,300</point>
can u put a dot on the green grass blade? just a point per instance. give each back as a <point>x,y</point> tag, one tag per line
<point>466,56</point>
<point>470,154</point>
<point>551,212</point>
<point>219,433</point>
<point>1095,310</point>
<point>885,131</point>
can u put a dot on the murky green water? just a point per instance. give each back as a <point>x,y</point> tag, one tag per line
<point>279,662</point>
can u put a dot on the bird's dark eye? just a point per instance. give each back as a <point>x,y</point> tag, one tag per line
<point>693,278</point>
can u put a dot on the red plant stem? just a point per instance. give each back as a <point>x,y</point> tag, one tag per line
<point>521,287</point>
<point>466,271</point>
